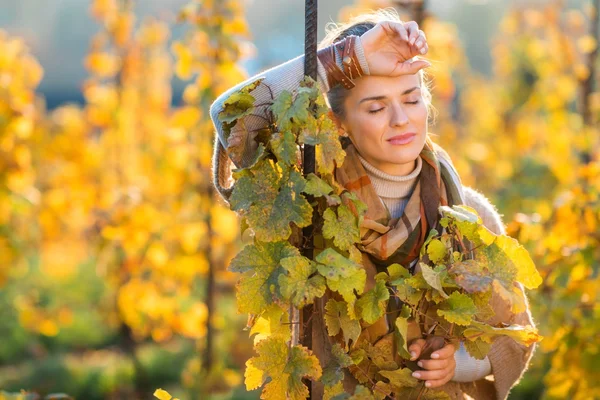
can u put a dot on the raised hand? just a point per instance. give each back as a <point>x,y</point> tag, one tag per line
<point>390,46</point>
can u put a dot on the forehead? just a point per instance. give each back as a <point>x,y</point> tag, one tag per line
<point>369,86</point>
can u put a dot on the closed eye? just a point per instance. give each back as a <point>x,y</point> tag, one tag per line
<point>376,111</point>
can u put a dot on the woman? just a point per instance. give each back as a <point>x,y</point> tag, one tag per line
<point>376,90</point>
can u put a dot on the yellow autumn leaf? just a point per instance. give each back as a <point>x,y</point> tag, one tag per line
<point>162,394</point>
<point>587,44</point>
<point>104,65</point>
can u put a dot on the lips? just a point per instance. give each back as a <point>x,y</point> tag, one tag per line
<point>402,139</point>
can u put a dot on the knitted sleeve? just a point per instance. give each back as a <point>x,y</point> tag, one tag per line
<point>509,360</point>
<point>286,76</point>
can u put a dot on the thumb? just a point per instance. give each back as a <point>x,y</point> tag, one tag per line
<point>410,67</point>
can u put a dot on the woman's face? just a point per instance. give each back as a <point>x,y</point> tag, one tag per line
<point>386,118</point>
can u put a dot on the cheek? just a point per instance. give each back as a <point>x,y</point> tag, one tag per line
<point>366,125</point>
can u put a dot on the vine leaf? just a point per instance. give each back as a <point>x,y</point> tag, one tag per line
<point>323,134</point>
<point>337,319</point>
<point>286,368</point>
<point>298,285</point>
<point>527,274</point>
<point>525,335</point>
<point>237,106</point>
<point>343,275</point>
<point>317,186</point>
<point>477,348</point>
<point>472,275</point>
<point>273,322</point>
<point>468,223</point>
<point>434,277</point>
<point>360,393</point>
<point>342,228</point>
<point>270,201</point>
<point>436,251</point>
<point>284,147</point>
<point>400,378</point>
<point>373,304</point>
<point>333,372</point>
<point>458,309</point>
<point>401,332</point>
<point>259,264</point>
<point>289,111</point>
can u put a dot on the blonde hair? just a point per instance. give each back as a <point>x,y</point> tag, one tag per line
<point>358,25</point>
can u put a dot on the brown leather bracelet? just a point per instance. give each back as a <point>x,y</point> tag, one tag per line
<point>350,61</point>
<point>335,74</point>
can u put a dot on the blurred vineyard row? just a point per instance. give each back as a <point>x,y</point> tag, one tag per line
<point>113,244</point>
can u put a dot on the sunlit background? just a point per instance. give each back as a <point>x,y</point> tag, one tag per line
<point>114,245</point>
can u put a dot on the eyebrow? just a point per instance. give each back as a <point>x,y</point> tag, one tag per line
<point>407,91</point>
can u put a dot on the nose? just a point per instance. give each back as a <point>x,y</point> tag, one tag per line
<point>399,117</point>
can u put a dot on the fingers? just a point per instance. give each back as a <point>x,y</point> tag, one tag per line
<point>397,28</point>
<point>415,348</point>
<point>436,374</point>
<point>433,364</point>
<point>421,43</point>
<point>413,32</point>
<point>445,352</point>
<point>410,67</point>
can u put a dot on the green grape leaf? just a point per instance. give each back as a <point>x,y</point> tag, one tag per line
<point>259,264</point>
<point>343,275</point>
<point>289,111</point>
<point>360,393</point>
<point>458,309</point>
<point>436,251</point>
<point>525,335</point>
<point>298,285</point>
<point>270,201</point>
<point>482,301</point>
<point>432,234</point>
<point>284,147</point>
<point>496,264</point>
<point>417,281</point>
<point>468,223</point>
<point>373,304</point>
<point>239,104</point>
<point>273,322</point>
<point>354,204</point>
<point>396,271</point>
<point>405,292</point>
<point>333,372</point>
<point>431,394</point>
<point>434,277</point>
<point>342,228</point>
<point>401,332</point>
<point>382,390</point>
<point>324,135</point>
<point>286,368</point>
<point>400,378</point>
<point>477,348</point>
<point>317,186</point>
<point>337,319</point>
<point>331,392</point>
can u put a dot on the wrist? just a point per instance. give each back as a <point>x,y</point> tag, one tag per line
<point>360,55</point>
<point>343,62</point>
